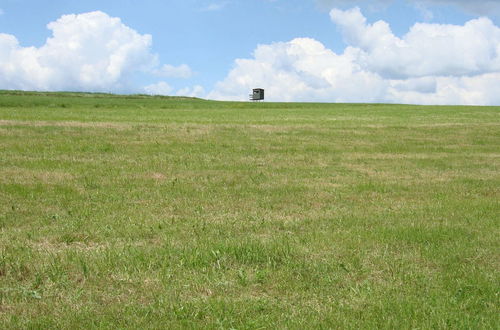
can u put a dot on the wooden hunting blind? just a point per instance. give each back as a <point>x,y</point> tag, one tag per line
<point>257,94</point>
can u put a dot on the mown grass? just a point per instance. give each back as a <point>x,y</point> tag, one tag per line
<point>154,212</point>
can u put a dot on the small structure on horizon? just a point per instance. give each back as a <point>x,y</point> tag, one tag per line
<point>257,94</point>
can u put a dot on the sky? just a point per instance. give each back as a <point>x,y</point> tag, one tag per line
<point>390,51</point>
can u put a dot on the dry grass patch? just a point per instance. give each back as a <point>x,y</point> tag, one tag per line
<point>25,176</point>
<point>77,124</point>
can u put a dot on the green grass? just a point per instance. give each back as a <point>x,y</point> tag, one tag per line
<point>153,212</point>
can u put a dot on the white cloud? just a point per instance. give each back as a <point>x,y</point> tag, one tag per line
<point>195,91</point>
<point>478,90</point>
<point>300,70</point>
<point>163,88</point>
<point>90,52</point>
<point>181,71</point>
<point>160,88</point>
<point>427,49</point>
<point>431,64</point>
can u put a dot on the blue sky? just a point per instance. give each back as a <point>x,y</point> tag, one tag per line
<point>309,50</point>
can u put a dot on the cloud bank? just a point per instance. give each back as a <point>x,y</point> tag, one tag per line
<point>163,88</point>
<point>87,52</point>
<point>431,64</point>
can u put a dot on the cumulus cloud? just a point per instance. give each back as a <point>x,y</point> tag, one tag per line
<point>90,51</point>
<point>160,88</point>
<point>427,49</point>
<point>431,64</point>
<point>163,88</point>
<point>300,70</point>
<point>194,91</point>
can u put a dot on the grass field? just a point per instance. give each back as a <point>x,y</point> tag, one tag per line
<point>147,212</point>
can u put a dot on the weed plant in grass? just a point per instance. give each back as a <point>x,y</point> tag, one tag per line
<point>154,212</point>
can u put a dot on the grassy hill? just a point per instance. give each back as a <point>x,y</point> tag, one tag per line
<point>163,212</point>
